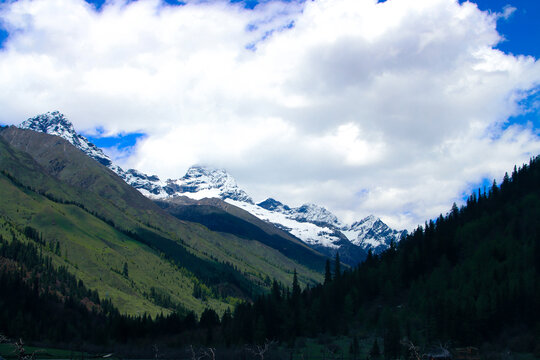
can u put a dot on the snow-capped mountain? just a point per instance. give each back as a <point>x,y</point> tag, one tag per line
<point>149,185</point>
<point>325,223</point>
<point>313,224</point>
<point>198,182</point>
<point>306,213</point>
<point>202,182</point>
<point>368,233</point>
<point>55,123</point>
<point>315,234</point>
<point>372,233</point>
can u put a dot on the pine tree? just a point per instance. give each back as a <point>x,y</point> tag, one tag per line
<point>337,267</point>
<point>276,291</point>
<point>295,287</point>
<point>327,273</point>
<point>125,271</point>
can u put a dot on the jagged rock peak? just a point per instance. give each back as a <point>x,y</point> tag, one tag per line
<point>200,179</point>
<point>315,214</point>
<point>140,175</point>
<point>372,233</point>
<point>274,205</point>
<point>367,222</point>
<point>51,123</point>
<point>55,123</point>
<point>209,177</point>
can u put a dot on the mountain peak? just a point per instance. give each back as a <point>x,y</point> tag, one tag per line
<point>197,171</point>
<point>274,205</point>
<point>202,181</point>
<point>372,233</point>
<point>316,214</point>
<point>55,123</point>
<point>368,221</point>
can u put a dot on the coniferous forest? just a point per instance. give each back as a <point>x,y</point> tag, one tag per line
<point>469,277</point>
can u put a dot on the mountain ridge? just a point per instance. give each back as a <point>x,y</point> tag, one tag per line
<point>311,223</point>
<point>98,219</point>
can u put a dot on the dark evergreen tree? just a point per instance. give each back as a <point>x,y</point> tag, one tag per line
<point>295,287</point>
<point>125,270</point>
<point>327,272</point>
<point>337,267</point>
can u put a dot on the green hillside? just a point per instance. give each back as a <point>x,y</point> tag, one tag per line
<point>96,252</point>
<point>101,223</point>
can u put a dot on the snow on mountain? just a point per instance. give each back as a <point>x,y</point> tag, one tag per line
<point>306,213</point>
<point>311,223</point>
<point>200,182</point>
<point>55,123</point>
<point>368,233</point>
<point>310,233</point>
<point>372,233</point>
<point>274,205</point>
<point>315,214</point>
<point>150,186</point>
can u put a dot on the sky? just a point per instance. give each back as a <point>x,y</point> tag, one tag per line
<point>396,108</point>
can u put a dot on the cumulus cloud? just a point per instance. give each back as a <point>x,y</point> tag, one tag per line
<point>391,108</point>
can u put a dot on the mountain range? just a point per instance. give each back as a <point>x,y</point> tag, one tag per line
<point>82,249</point>
<point>312,224</point>
<point>94,226</point>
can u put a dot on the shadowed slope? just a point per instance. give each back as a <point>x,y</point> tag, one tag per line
<point>218,215</point>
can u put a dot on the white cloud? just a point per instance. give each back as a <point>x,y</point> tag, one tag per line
<point>508,11</point>
<point>391,108</point>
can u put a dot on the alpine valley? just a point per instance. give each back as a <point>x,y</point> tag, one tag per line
<point>311,224</point>
<point>98,258</point>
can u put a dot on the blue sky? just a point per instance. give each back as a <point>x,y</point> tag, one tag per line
<point>396,108</point>
<point>520,29</point>
<point>522,33</point>
<point>120,141</point>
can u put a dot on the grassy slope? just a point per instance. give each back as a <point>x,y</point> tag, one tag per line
<point>93,250</point>
<point>95,246</point>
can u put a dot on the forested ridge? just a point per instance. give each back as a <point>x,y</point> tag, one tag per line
<point>469,277</point>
